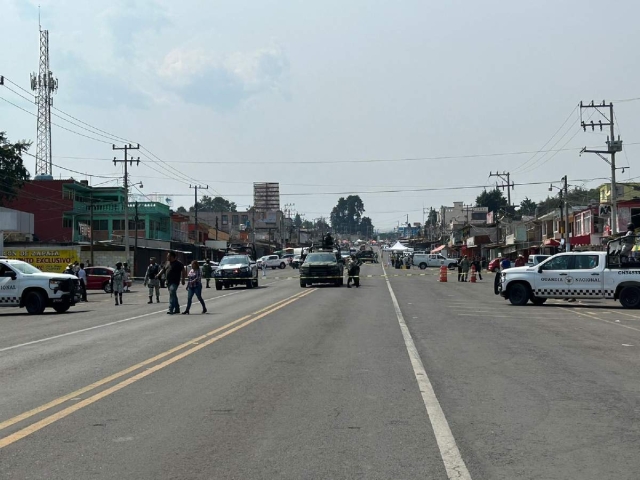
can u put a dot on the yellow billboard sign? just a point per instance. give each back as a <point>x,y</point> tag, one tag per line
<point>53,260</point>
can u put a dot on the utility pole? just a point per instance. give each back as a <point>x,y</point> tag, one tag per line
<point>126,162</point>
<point>195,207</point>
<point>467,207</point>
<point>567,240</point>
<point>135,248</point>
<point>505,177</point>
<point>91,226</point>
<point>45,84</point>
<point>613,146</point>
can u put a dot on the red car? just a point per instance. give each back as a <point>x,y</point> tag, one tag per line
<point>99,278</point>
<point>494,264</point>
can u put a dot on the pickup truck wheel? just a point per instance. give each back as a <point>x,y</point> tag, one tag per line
<point>452,266</point>
<point>422,266</point>
<point>35,303</point>
<point>249,284</point>
<point>630,297</point>
<point>218,285</point>
<point>283,265</point>
<point>255,282</point>
<point>303,284</point>
<point>273,268</point>
<point>61,307</point>
<point>518,294</point>
<point>538,301</point>
<point>106,287</point>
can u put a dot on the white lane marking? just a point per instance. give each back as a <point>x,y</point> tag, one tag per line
<point>482,316</point>
<point>453,462</point>
<point>607,321</point>
<point>75,332</point>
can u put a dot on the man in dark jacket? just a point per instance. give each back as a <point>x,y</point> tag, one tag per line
<point>175,274</point>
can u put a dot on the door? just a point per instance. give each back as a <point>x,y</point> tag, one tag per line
<point>586,278</point>
<point>9,293</point>
<point>553,281</point>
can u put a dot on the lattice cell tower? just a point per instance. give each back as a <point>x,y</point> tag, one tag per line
<point>45,85</point>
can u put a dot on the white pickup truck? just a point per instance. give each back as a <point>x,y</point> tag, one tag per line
<point>424,260</point>
<point>575,275</point>
<point>22,285</point>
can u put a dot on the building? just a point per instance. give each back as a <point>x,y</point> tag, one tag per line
<point>266,196</point>
<point>448,218</point>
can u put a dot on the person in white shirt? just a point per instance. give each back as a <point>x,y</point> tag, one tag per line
<point>82,275</point>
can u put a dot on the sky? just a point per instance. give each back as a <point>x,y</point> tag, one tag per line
<point>403,103</point>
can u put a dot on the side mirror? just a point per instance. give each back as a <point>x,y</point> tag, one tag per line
<point>539,269</point>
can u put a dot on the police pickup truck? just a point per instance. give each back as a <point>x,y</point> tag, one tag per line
<point>613,275</point>
<point>23,285</point>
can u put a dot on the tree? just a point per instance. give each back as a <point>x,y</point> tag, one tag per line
<point>366,227</point>
<point>493,200</point>
<point>307,225</point>
<point>347,214</point>
<point>528,207</point>
<point>297,221</point>
<point>433,217</point>
<point>13,173</point>
<point>216,204</point>
<point>182,210</point>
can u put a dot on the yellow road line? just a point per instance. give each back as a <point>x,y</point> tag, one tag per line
<point>110,378</point>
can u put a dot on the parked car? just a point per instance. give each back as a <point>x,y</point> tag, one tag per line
<point>424,260</point>
<point>494,264</point>
<point>272,261</point>
<point>534,260</point>
<point>288,258</point>
<point>99,278</point>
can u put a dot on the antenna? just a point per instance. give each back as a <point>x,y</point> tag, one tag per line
<point>45,84</point>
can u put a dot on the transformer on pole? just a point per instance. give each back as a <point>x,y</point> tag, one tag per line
<point>45,85</point>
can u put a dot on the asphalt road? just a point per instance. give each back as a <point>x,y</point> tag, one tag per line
<point>401,378</point>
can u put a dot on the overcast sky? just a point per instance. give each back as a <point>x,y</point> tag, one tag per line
<point>267,85</point>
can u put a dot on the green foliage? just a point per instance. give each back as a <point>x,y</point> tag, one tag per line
<point>307,225</point>
<point>492,199</point>
<point>182,210</point>
<point>528,207</point>
<point>366,228</point>
<point>433,217</point>
<point>297,221</point>
<point>13,173</point>
<point>216,204</point>
<point>576,197</point>
<point>347,214</point>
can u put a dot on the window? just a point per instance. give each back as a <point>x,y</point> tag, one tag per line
<point>132,224</point>
<point>578,222</point>
<point>561,262</point>
<point>100,225</point>
<point>67,194</point>
<point>67,223</point>
<point>235,220</point>
<point>586,224</point>
<point>245,219</point>
<point>585,262</point>
<point>479,216</point>
<point>118,224</point>
<point>225,219</point>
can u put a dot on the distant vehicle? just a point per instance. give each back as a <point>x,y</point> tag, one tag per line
<point>287,257</point>
<point>236,270</point>
<point>494,264</point>
<point>534,260</point>
<point>424,260</point>
<point>272,261</point>
<point>99,278</point>
<point>214,265</point>
<point>296,261</point>
<point>367,256</point>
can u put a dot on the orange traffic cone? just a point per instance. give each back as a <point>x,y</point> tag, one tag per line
<point>473,274</point>
<point>443,273</point>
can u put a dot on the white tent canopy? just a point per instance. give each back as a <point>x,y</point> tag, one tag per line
<point>398,247</point>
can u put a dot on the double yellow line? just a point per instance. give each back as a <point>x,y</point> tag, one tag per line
<point>206,339</point>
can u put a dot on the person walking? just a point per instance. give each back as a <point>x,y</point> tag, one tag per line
<point>175,275</point>
<point>476,263</point>
<point>264,267</point>
<point>127,275</point>
<point>465,264</point>
<point>354,271</point>
<point>194,287</point>
<point>152,281</point>
<point>459,265</point>
<point>117,282</point>
<point>207,270</point>
<point>82,275</point>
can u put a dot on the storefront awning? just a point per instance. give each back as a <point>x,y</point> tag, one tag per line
<point>438,249</point>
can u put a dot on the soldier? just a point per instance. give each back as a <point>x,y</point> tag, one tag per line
<point>207,269</point>
<point>117,282</point>
<point>152,281</point>
<point>354,271</point>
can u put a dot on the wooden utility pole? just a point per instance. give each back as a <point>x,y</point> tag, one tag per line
<point>126,162</point>
<point>505,177</point>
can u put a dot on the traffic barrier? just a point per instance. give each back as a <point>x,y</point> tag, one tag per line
<point>473,274</point>
<point>443,273</point>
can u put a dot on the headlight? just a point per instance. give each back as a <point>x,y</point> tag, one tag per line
<point>244,269</point>
<point>55,284</point>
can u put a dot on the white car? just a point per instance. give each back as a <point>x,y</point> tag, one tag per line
<point>272,261</point>
<point>23,285</point>
<point>424,260</point>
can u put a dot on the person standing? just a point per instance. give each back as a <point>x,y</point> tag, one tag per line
<point>520,261</point>
<point>353,270</point>
<point>82,275</point>
<point>152,281</point>
<point>127,275</point>
<point>465,264</point>
<point>476,263</point>
<point>207,270</point>
<point>175,275</point>
<point>117,282</point>
<point>194,287</point>
<point>459,265</point>
<point>264,267</point>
